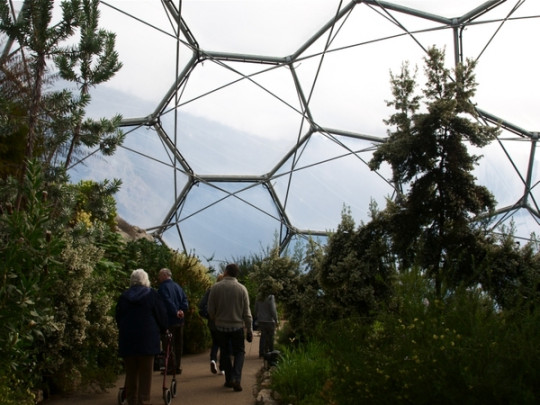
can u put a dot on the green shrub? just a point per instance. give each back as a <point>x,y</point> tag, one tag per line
<point>12,394</point>
<point>29,254</point>
<point>459,350</point>
<point>301,375</point>
<point>57,294</point>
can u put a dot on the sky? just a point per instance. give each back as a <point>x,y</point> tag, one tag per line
<point>238,113</point>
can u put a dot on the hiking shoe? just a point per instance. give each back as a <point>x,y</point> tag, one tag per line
<point>236,386</point>
<point>213,367</point>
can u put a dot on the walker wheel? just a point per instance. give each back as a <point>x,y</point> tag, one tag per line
<point>173,388</point>
<point>167,397</point>
<point>122,396</point>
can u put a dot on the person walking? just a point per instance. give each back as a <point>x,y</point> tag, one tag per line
<point>203,311</point>
<point>267,320</point>
<point>176,303</point>
<point>141,318</point>
<point>228,307</point>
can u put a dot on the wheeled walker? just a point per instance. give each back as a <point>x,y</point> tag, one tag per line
<point>169,392</point>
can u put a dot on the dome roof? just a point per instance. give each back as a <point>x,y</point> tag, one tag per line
<point>251,120</point>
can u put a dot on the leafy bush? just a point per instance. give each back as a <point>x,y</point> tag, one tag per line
<point>83,349</point>
<point>28,256</point>
<point>457,350</point>
<point>12,394</point>
<point>56,296</point>
<point>460,349</point>
<point>302,374</point>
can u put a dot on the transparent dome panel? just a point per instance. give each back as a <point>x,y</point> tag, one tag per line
<point>520,222</point>
<point>503,170</point>
<point>349,85</point>
<point>150,51</point>
<point>145,169</point>
<point>453,8</point>
<point>252,27</point>
<point>248,97</point>
<point>211,148</point>
<point>325,177</point>
<point>224,220</point>
<point>504,70</point>
<point>234,130</point>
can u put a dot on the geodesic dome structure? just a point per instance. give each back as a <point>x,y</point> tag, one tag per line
<point>253,121</point>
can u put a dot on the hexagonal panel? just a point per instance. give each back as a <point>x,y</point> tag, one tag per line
<point>266,113</point>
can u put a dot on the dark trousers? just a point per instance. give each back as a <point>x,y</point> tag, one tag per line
<point>266,343</point>
<point>138,381</point>
<point>215,345</point>
<point>232,354</point>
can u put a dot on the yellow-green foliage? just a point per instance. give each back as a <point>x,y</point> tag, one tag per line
<point>11,396</point>
<point>194,278</point>
<point>95,202</point>
<point>84,218</point>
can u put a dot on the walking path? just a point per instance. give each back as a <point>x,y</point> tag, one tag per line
<point>195,386</point>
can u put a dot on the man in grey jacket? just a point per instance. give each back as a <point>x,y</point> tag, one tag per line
<point>267,320</point>
<point>228,307</point>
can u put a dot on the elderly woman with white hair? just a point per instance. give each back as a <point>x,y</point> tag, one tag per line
<point>141,317</point>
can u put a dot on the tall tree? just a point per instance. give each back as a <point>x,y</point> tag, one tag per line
<point>13,93</point>
<point>431,223</point>
<point>52,124</point>
<point>93,61</point>
<point>33,30</point>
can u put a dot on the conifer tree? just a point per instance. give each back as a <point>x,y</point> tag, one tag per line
<point>34,31</point>
<point>92,62</point>
<point>56,124</point>
<point>431,223</point>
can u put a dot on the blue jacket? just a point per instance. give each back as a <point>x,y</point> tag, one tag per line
<point>175,299</point>
<point>141,317</point>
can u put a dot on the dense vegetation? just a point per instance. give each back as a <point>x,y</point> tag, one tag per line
<point>420,304</point>
<point>62,262</point>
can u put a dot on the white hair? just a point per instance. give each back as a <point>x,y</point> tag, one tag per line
<point>139,277</point>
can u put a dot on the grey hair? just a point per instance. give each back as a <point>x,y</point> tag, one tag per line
<point>139,277</point>
<point>166,271</point>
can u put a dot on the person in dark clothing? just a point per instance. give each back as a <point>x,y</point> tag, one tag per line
<point>267,320</point>
<point>141,318</point>
<point>176,303</point>
<point>203,311</point>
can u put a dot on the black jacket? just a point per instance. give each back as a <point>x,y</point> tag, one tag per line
<point>141,317</point>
